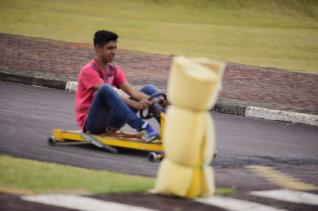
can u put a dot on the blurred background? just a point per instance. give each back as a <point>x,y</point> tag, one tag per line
<point>271,33</point>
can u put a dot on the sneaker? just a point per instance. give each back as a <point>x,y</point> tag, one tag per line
<point>148,133</point>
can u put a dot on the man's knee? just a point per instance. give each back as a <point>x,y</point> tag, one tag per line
<point>106,89</point>
<point>149,89</point>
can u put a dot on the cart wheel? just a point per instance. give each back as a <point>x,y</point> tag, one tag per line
<point>51,141</point>
<point>215,154</point>
<point>155,157</point>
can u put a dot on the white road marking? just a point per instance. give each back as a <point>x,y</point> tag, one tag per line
<point>236,204</point>
<point>81,203</point>
<point>289,196</point>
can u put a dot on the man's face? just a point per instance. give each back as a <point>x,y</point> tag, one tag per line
<point>107,52</point>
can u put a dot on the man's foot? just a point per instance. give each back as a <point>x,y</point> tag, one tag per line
<point>148,133</point>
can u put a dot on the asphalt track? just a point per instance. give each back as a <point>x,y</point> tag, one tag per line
<point>28,114</point>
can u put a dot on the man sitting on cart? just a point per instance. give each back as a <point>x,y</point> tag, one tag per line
<point>99,107</point>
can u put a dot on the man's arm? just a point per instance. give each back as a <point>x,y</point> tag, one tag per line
<point>133,92</point>
<point>130,90</point>
<point>136,96</point>
<point>134,103</point>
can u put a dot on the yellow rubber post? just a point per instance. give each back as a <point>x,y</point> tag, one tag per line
<point>189,135</point>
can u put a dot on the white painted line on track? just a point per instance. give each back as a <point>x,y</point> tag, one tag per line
<point>236,204</point>
<point>289,196</point>
<point>81,203</point>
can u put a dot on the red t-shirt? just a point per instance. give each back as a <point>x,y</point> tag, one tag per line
<point>89,77</point>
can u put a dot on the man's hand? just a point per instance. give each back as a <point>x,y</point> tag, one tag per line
<point>160,100</point>
<point>144,103</point>
<point>138,105</point>
<point>141,100</point>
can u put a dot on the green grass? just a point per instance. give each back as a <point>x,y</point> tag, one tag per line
<point>22,176</point>
<point>272,33</point>
<point>226,191</point>
<point>28,176</point>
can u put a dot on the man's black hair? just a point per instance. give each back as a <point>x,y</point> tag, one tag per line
<point>102,37</point>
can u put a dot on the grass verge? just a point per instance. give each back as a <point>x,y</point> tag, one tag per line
<point>29,176</point>
<point>23,176</point>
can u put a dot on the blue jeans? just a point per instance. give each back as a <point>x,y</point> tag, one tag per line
<point>109,110</point>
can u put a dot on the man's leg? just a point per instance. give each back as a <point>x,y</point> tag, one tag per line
<point>115,121</point>
<point>106,102</point>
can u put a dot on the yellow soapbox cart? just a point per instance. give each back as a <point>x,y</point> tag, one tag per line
<point>112,140</point>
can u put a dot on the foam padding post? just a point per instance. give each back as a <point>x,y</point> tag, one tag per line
<point>189,134</point>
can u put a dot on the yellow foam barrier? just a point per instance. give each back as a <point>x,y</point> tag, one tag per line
<point>194,83</point>
<point>189,135</point>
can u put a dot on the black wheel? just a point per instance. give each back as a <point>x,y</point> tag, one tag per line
<point>152,156</point>
<point>215,154</point>
<point>51,141</point>
<point>155,157</point>
<point>214,157</point>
